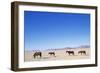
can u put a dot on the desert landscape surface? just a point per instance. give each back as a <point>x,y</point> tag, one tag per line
<point>57,54</point>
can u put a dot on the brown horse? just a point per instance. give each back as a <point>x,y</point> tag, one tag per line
<point>36,54</point>
<point>82,52</point>
<point>70,52</point>
<point>51,53</point>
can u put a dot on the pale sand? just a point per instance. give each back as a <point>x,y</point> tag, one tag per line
<point>60,55</point>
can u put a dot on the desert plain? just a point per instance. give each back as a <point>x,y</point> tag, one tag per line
<point>60,54</point>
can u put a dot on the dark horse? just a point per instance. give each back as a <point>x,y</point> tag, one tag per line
<point>37,54</point>
<point>82,52</point>
<point>70,52</point>
<point>51,53</point>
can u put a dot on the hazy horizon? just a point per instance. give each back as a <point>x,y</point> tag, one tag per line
<point>44,30</point>
<point>82,46</point>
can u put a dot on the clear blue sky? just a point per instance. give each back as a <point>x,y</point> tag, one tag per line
<point>45,30</point>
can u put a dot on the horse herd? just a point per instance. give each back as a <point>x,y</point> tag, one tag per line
<point>36,54</point>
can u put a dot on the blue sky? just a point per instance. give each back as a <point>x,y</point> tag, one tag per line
<point>45,30</point>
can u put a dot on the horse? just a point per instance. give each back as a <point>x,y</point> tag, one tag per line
<point>82,52</point>
<point>70,52</point>
<point>36,54</point>
<point>51,53</point>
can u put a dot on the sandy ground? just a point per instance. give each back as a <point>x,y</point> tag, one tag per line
<point>59,55</point>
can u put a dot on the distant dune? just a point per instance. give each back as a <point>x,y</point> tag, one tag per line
<point>58,54</point>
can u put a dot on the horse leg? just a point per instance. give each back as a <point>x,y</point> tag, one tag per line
<point>40,55</point>
<point>73,53</point>
<point>34,56</point>
<point>85,53</point>
<point>54,55</point>
<point>81,53</point>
